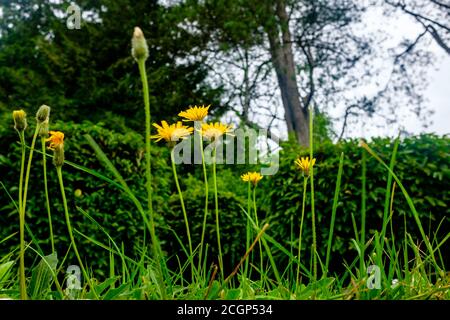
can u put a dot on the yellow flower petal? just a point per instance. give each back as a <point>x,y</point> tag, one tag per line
<point>173,132</point>
<point>194,113</point>
<point>213,131</point>
<point>253,177</point>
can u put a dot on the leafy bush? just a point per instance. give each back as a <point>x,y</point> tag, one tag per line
<point>102,201</point>
<point>422,165</point>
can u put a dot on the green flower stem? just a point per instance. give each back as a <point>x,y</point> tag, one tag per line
<point>155,243</point>
<point>363,216</point>
<point>69,227</point>
<point>47,201</point>
<point>305,183</point>
<point>313,215</point>
<point>248,233</point>
<point>191,257</point>
<point>206,202</point>
<point>216,201</point>
<point>261,261</point>
<point>27,175</point>
<point>23,288</point>
<point>148,172</point>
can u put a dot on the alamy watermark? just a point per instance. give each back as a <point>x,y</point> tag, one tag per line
<point>73,282</point>
<point>241,147</point>
<point>374,279</point>
<point>73,17</point>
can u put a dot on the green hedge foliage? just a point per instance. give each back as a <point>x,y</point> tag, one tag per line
<point>422,164</point>
<point>102,201</point>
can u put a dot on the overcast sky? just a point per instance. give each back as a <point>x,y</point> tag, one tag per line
<point>437,94</point>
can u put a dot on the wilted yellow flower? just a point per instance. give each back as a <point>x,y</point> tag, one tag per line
<point>173,132</point>
<point>56,139</point>
<point>213,131</point>
<point>57,145</point>
<point>304,164</point>
<point>20,120</point>
<point>253,177</point>
<point>195,113</point>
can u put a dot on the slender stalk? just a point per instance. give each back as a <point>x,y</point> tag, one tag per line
<point>305,180</point>
<point>363,214</point>
<point>155,243</point>
<point>69,227</point>
<point>23,288</point>
<point>27,175</point>
<point>261,260</point>
<point>387,194</point>
<point>191,258</point>
<point>216,201</point>
<point>248,229</point>
<point>148,172</point>
<point>206,197</point>
<point>313,214</point>
<point>333,212</point>
<point>47,201</point>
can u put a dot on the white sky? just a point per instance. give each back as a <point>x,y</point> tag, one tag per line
<point>437,94</point>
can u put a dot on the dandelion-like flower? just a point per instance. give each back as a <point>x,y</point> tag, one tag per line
<point>194,113</point>
<point>171,133</point>
<point>20,120</point>
<point>213,131</point>
<point>304,164</point>
<point>253,177</point>
<point>56,140</point>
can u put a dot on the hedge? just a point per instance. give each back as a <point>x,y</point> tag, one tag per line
<point>422,165</point>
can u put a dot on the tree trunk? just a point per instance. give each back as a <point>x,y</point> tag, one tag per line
<point>297,117</point>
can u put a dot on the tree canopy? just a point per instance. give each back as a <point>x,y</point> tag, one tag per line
<point>262,62</point>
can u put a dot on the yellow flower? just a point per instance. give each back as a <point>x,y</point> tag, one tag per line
<point>20,120</point>
<point>195,113</point>
<point>56,139</point>
<point>57,145</point>
<point>253,177</point>
<point>304,164</point>
<point>213,131</point>
<point>173,132</point>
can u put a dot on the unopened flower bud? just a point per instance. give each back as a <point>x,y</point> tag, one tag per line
<point>58,155</point>
<point>20,120</point>
<point>43,114</point>
<point>139,48</point>
<point>42,118</point>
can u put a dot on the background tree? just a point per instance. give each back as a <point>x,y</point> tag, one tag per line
<point>300,52</point>
<point>88,73</point>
